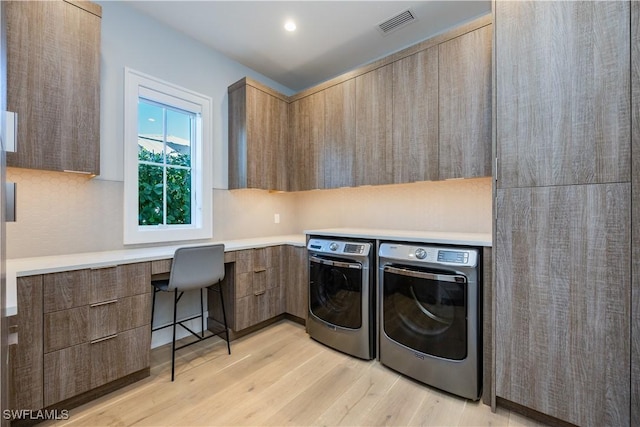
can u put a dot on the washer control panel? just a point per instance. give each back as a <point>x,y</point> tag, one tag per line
<point>339,247</point>
<point>430,254</point>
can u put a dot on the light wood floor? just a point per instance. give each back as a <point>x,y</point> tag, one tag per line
<point>279,376</point>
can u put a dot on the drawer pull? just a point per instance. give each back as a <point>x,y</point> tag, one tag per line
<point>104,339</point>
<point>104,267</point>
<point>259,270</point>
<point>259,293</point>
<point>98,304</point>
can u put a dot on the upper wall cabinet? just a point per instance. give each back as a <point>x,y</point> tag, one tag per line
<point>569,63</point>
<point>53,82</point>
<point>374,112</point>
<point>305,154</point>
<point>340,135</point>
<point>465,105</point>
<point>258,133</point>
<point>415,117</point>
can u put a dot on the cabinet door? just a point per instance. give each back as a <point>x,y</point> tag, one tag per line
<point>53,82</point>
<point>267,134</point>
<point>563,92</point>
<point>465,105</point>
<point>66,373</point>
<point>340,135</point>
<point>415,117</point>
<point>123,354</point>
<point>258,137</point>
<point>296,282</point>
<point>25,357</point>
<point>563,307</point>
<point>306,143</point>
<point>635,201</point>
<point>374,112</point>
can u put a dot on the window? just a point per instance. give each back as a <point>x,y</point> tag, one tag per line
<point>167,169</point>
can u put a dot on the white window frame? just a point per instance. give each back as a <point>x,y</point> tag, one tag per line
<point>136,85</point>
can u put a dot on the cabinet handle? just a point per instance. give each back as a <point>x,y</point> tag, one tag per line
<point>259,270</point>
<point>259,293</point>
<point>104,339</point>
<point>98,304</point>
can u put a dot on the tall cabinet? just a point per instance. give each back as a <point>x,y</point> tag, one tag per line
<point>635,213</point>
<point>563,209</point>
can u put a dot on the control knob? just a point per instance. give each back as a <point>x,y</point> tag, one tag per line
<point>421,253</point>
<point>333,246</point>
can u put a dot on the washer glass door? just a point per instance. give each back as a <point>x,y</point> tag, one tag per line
<point>425,310</point>
<point>335,291</point>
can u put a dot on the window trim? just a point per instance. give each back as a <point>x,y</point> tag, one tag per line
<point>137,84</point>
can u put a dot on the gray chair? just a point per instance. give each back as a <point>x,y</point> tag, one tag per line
<point>197,267</point>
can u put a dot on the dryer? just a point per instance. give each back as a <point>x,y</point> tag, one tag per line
<point>429,315</point>
<point>342,294</point>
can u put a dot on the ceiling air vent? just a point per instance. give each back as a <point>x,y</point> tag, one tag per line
<point>395,22</point>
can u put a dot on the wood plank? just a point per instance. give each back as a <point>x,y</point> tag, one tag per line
<point>563,97</point>
<point>266,372</point>
<point>563,301</point>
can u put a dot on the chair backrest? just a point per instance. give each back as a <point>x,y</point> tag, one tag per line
<point>197,267</point>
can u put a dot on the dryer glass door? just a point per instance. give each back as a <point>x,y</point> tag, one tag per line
<point>335,291</point>
<point>425,310</point>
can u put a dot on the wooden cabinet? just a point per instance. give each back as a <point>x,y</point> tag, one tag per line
<point>635,214</point>
<point>53,82</point>
<point>296,281</point>
<point>563,93</point>
<point>257,286</point>
<point>464,94</point>
<point>306,154</point>
<point>563,328</point>
<point>340,135</point>
<point>258,136</point>
<point>25,357</point>
<point>415,117</point>
<point>96,328</point>
<point>374,113</point>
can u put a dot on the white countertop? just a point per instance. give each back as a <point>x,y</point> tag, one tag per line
<point>51,264</point>
<point>447,238</point>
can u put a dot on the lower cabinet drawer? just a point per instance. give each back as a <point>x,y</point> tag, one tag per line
<point>75,370</point>
<point>253,309</point>
<point>67,328</point>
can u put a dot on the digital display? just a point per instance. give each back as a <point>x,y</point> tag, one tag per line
<point>353,249</point>
<point>453,256</point>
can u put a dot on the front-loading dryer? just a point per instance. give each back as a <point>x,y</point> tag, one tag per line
<point>429,315</point>
<point>342,294</point>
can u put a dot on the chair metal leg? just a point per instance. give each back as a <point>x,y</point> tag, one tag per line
<point>202,312</point>
<point>153,306</point>
<point>173,345</point>
<point>224,317</point>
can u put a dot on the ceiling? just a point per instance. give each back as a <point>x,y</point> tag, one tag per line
<point>332,37</point>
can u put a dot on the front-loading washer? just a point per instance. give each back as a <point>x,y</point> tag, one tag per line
<point>429,315</point>
<point>342,294</point>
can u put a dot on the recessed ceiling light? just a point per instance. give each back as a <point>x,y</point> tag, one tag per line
<point>290,26</point>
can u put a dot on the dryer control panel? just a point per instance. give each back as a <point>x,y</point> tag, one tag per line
<point>430,254</point>
<point>339,247</point>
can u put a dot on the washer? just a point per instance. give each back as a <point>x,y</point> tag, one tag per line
<point>429,315</point>
<point>342,295</point>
